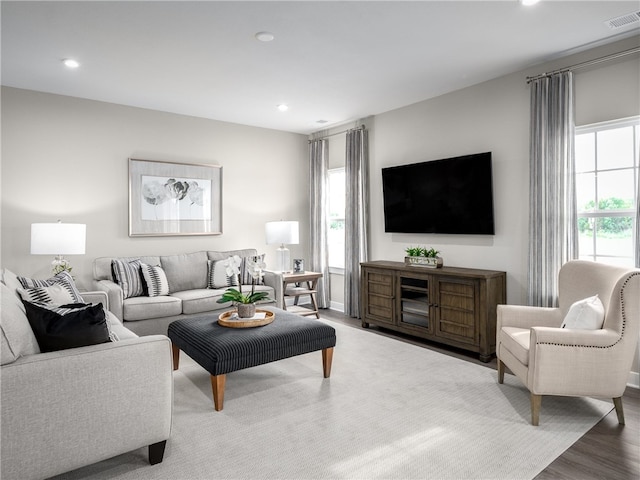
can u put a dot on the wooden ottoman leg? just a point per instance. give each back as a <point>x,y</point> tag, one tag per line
<point>176,356</point>
<point>217,385</point>
<point>327,357</point>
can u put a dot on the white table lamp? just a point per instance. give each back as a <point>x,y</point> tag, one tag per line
<point>283,233</point>
<point>58,239</point>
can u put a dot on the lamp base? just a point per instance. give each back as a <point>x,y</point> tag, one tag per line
<point>283,259</point>
<point>59,264</point>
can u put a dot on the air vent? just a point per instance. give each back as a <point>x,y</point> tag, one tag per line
<point>623,21</point>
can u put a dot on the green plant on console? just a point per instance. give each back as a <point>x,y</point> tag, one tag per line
<point>422,252</point>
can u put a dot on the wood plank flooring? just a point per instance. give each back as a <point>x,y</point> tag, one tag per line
<point>608,451</point>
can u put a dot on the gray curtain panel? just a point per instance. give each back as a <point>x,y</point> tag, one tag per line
<point>637,236</point>
<point>553,235</point>
<point>356,216</point>
<point>319,202</point>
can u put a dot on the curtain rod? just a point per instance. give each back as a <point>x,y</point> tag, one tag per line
<point>361,127</point>
<point>588,63</point>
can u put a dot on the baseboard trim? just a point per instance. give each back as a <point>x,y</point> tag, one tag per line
<point>634,380</point>
<point>339,307</point>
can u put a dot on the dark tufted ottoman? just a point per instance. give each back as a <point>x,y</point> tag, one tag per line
<point>221,350</point>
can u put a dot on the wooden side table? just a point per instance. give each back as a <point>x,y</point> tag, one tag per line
<point>311,280</point>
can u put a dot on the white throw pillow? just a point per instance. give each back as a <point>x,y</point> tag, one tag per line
<point>586,314</point>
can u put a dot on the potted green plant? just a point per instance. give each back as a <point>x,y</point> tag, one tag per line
<point>244,303</point>
<point>423,257</point>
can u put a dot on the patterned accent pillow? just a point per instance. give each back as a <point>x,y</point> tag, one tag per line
<point>68,326</point>
<point>217,277</point>
<point>127,274</point>
<point>156,280</point>
<point>245,275</point>
<point>40,291</point>
<point>55,295</point>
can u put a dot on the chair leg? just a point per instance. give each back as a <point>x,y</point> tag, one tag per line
<point>156,452</point>
<point>536,403</point>
<point>617,402</point>
<point>500,371</point>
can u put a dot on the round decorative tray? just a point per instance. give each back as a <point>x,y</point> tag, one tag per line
<point>230,319</point>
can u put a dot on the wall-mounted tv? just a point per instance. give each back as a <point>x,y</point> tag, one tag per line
<point>452,195</point>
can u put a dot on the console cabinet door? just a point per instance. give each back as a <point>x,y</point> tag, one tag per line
<point>457,309</point>
<point>378,291</point>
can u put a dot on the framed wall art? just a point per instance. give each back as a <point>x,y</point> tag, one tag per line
<point>174,198</point>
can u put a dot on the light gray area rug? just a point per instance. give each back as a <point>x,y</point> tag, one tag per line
<point>390,410</point>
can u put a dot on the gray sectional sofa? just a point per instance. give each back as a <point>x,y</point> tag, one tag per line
<point>65,409</point>
<point>187,275</point>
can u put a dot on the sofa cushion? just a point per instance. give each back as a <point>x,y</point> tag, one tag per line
<point>62,279</point>
<point>185,272</point>
<point>16,336</point>
<point>10,279</point>
<point>218,277</point>
<point>142,308</point>
<point>126,273</point>
<point>200,300</point>
<point>587,314</point>
<point>68,326</point>
<point>155,279</point>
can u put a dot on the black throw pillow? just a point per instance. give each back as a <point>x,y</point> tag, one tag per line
<point>67,326</point>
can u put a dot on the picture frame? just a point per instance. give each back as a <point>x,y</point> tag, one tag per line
<point>298,265</point>
<point>167,198</point>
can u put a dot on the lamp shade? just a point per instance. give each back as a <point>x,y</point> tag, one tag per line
<point>58,238</point>
<point>283,233</point>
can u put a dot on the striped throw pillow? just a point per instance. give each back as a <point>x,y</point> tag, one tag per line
<point>156,280</point>
<point>218,275</point>
<point>127,274</point>
<point>65,290</point>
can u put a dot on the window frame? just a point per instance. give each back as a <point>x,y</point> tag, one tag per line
<point>597,213</point>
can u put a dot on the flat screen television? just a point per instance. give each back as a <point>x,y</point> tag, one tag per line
<point>452,195</point>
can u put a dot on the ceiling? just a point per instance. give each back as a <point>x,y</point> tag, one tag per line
<point>329,61</point>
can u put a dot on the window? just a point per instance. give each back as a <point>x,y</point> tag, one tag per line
<point>336,218</point>
<point>606,156</point>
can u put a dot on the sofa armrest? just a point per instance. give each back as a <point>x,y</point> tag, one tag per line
<point>275,281</point>
<point>96,296</point>
<point>83,405</point>
<point>115,296</point>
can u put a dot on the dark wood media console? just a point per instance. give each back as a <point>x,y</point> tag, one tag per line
<point>450,305</point>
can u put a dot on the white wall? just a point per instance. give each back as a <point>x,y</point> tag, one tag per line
<point>492,116</point>
<point>66,158</point>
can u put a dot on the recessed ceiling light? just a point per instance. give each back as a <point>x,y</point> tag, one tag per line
<point>70,63</point>
<point>265,36</point>
<point>322,121</point>
<point>283,108</point>
<point>528,3</point>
